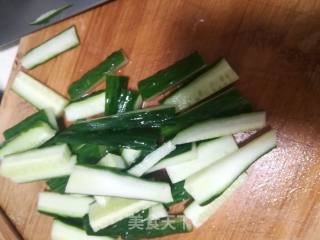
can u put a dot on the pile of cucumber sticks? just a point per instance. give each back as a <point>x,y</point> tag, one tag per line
<point>102,168</point>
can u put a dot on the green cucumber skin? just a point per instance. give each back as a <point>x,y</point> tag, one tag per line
<point>115,84</point>
<point>127,101</point>
<point>26,124</point>
<point>34,66</point>
<point>58,184</point>
<point>121,229</point>
<point>174,75</point>
<point>145,139</point>
<point>228,103</point>
<point>179,194</point>
<point>130,120</point>
<point>49,17</point>
<point>91,153</point>
<point>115,230</point>
<point>90,79</point>
<point>179,150</point>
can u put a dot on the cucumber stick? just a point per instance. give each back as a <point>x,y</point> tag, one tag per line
<point>137,139</point>
<point>151,159</point>
<point>130,155</point>
<point>129,101</point>
<point>35,136</point>
<point>64,231</point>
<point>108,182</point>
<point>113,161</point>
<point>90,153</point>
<point>183,157</point>
<point>198,215</point>
<point>228,103</point>
<point>56,45</point>
<point>85,107</point>
<point>207,153</point>
<point>149,117</point>
<point>179,194</point>
<point>90,79</point>
<point>45,17</point>
<point>174,75</point>
<point>221,127</point>
<point>102,201</point>
<point>44,115</point>
<point>159,228</point>
<point>38,164</point>
<point>63,205</point>
<point>157,212</point>
<point>209,183</point>
<point>115,210</point>
<point>38,94</point>
<point>210,82</point>
<point>58,184</point>
<point>115,85</point>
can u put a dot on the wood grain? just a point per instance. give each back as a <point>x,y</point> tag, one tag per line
<point>274,45</point>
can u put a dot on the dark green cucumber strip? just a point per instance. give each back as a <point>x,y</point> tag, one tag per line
<point>129,101</point>
<point>46,17</point>
<point>149,117</point>
<point>160,228</point>
<point>58,184</point>
<point>91,153</point>
<point>228,103</point>
<point>115,84</point>
<point>27,123</point>
<point>144,139</point>
<point>179,194</point>
<point>174,75</point>
<point>90,79</point>
<point>114,230</point>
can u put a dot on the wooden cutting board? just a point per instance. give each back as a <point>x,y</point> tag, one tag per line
<point>274,45</point>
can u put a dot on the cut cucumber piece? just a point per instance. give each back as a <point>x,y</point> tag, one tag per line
<point>179,194</point>
<point>157,212</point>
<point>129,101</point>
<point>38,164</point>
<point>44,115</point>
<point>45,17</point>
<point>208,153</point>
<point>35,136</point>
<point>198,215</point>
<point>115,85</point>
<point>63,231</point>
<point>138,139</point>
<point>221,127</point>
<point>151,159</point>
<point>56,45</point>
<point>113,161</point>
<point>107,182</point>
<point>90,79</point>
<point>130,155</point>
<point>58,184</point>
<point>115,210</point>
<point>174,75</point>
<point>228,103</point>
<point>213,80</point>
<point>86,107</point>
<point>102,201</point>
<point>38,94</point>
<point>209,183</point>
<point>178,159</point>
<point>125,229</point>
<point>63,205</point>
<point>149,117</point>
<point>90,153</point>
